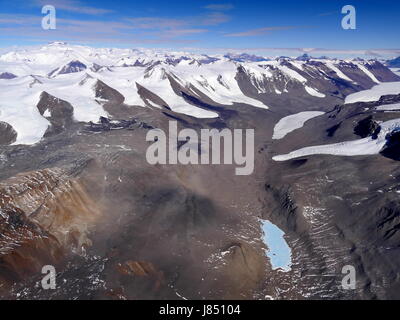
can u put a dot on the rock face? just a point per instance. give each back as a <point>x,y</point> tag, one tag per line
<point>25,248</point>
<point>45,217</point>
<point>7,134</point>
<point>71,67</point>
<point>57,111</point>
<point>366,127</point>
<point>105,92</point>
<point>381,72</point>
<point>392,147</point>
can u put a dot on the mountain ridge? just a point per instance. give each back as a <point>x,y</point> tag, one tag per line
<point>172,76</point>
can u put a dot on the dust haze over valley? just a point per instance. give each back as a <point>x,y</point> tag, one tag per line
<point>78,193</point>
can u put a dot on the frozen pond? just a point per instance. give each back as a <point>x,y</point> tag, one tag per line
<point>278,251</point>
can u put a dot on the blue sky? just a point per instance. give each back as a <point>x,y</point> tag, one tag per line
<point>262,27</point>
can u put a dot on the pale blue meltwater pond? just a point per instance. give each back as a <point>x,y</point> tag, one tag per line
<point>278,250</point>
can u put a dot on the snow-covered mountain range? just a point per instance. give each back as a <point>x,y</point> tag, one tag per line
<point>87,78</point>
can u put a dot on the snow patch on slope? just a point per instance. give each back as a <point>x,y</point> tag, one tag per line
<point>217,81</point>
<point>314,92</point>
<point>364,69</point>
<point>19,98</point>
<point>389,107</point>
<point>293,74</point>
<point>340,74</point>
<point>375,93</point>
<point>158,83</point>
<point>395,71</point>
<point>18,108</point>
<point>78,90</point>
<point>293,122</point>
<point>366,146</point>
<point>123,79</point>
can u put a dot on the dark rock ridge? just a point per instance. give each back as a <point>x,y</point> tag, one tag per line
<point>332,130</point>
<point>7,134</point>
<point>366,127</point>
<point>95,67</point>
<point>71,67</point>
<point>304,57</point>
<point>392,148</point>
<point>57,111</point>
<point>7,75</point>
<point>381,72</point>
<point>395,63</point>
<point>105,92</point>
<point>106,124</point>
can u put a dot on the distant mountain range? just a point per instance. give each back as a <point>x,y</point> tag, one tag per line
<point>158,79</point>
<point>395,63</point>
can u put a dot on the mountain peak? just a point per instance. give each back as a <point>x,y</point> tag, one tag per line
<point>7,75</point>
<point>71,67</point>
<point>304,57</point>
<point>244,57</point>
<point>57,43</point>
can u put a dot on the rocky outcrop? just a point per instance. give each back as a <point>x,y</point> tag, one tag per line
<point>381,72</point>
<point>106,124</point>
<point>45,216</point>
<point>25,247</point>
<point>103,91</point>
<point>71,67</point>
<point>7,75</point>
<point>57,111</point>
<point>7,134</point>
<point>366,127</point>
<point>392,148</point>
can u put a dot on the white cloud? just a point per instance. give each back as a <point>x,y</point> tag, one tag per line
<point>259,31</point>
<point>73,6</point>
